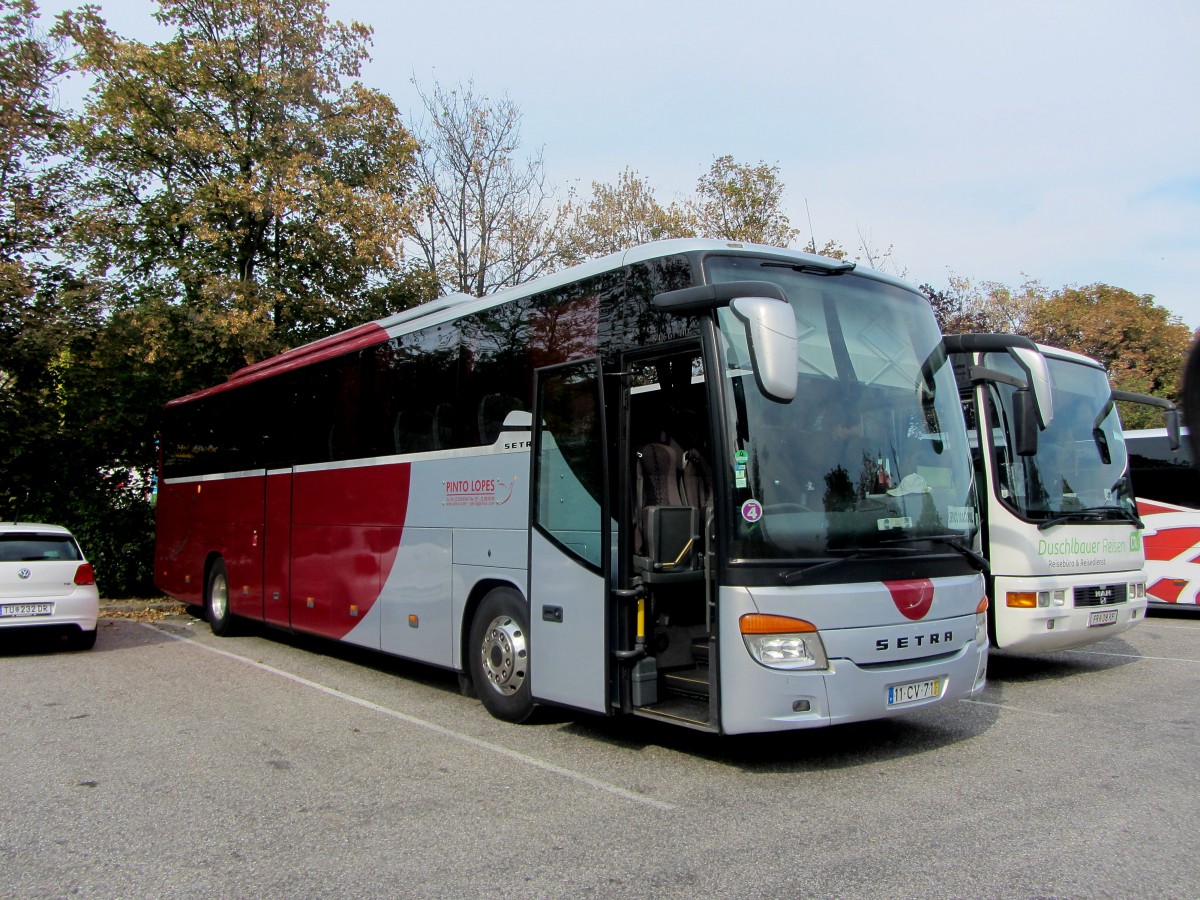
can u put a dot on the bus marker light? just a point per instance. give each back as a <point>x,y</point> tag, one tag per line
<point>1022,599</point>
<point>414,621</point>
<point>983,605</point>
<point>353,610</point>
<point>311,602</point>
<point>759,623</point>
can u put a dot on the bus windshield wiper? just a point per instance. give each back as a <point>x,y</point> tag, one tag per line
<point>1092,514</point>
<point>799,575</point>
<point>950,540</point>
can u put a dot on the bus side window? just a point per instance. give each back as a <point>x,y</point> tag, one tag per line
<point>413,431</point>
<point>493,409</point>
<point>442,430</point>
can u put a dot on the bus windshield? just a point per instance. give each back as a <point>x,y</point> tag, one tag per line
<point>871,452</point>
<point>1080,469</point>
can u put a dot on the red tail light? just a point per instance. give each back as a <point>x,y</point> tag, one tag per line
<point>85,575</point>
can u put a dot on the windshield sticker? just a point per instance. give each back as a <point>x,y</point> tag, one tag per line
<point>960,518</point>
<point>752,510</point>
<point>740,459</point>
<point>894,522</point>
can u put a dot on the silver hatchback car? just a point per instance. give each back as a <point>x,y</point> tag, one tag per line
<point>46,583</point>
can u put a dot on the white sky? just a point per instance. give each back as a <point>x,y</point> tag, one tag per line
<point>998,139</point>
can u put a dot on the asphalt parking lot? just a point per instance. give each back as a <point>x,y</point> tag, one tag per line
<point>167,762</point>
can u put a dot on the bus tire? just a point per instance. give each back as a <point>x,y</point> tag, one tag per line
<point>499,655</point>
<point>216,600</point>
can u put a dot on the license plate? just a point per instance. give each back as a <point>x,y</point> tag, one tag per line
<point>13,610</point>
<point>1103,617</point>
<point>913,691</point>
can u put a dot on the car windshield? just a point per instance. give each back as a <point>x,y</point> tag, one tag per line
<point>1081,463</point>
<point>27,547</point>
<point>871,454</point>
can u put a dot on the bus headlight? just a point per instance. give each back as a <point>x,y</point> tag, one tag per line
<point>981,635</point>
<point>781,642</point>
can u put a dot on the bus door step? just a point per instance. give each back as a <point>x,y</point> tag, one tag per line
<point>691,682</point>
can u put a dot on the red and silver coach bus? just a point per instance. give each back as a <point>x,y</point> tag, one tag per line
<point>710,483</point>
<point>1167,485</point>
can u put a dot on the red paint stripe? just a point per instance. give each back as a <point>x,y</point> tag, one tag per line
<point>1170,542</point>
<point>355,339</point>
<point>1167,589</point>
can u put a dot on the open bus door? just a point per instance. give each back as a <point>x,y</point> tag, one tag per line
<point>570,541</point>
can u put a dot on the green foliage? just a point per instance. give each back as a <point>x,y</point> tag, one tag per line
<point>620,216</point>
<point>740,202</point>
<point>226,194</point>
<point>733,201</point>
<point>1141,343</point>
<point>238,171</point>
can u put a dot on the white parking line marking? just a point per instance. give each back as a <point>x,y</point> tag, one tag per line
<point>1035,712</point>
<point>439,729</point>
<point>1134,656</point>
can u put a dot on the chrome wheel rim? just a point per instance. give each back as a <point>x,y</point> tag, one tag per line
<point>505,655</point>
<point>218,600</point>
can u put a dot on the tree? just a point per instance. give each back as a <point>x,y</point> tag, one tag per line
<point>486,220</point>
<point>38,322</point>
<point>622,215</point>
<point>31,135</point>
<point>739,202</point>
<point>1143,345</point>
<point>240,183</point>
<point>988,306</point>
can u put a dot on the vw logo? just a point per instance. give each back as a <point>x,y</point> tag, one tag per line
<point>24,574</point>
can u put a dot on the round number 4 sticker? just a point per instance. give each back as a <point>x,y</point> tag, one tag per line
<point>751,510</point>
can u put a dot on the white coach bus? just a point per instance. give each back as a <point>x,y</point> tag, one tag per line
<point>716,484</point>
<point>1059,520</point>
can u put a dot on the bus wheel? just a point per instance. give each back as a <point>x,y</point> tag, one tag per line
<point>216,600</point>
<point>499,652</point>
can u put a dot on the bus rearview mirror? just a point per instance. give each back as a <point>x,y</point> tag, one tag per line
<point>771,331</point>
<point>1025,428</point>
<point>1035,367</point>
<point>1171,420</point>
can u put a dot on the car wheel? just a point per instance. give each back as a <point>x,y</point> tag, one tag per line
<point>499,655</point>
<point>216,600</point>
<point>81,640</point>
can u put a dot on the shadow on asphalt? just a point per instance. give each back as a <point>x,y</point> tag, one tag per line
<point>829,748</point>
<point>1013,668</point>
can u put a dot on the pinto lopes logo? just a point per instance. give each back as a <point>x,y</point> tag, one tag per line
<point>479,491</point>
